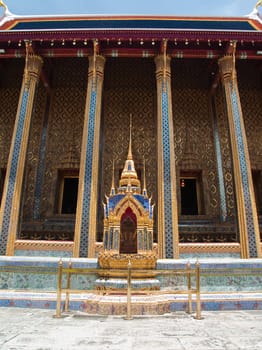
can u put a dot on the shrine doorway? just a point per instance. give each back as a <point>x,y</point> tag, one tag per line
<point>128,233</point>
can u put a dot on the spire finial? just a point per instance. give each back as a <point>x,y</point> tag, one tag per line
<point>144,189</point>
<point>113,192</point>
<point>130,156</point>
<point>2,4</point>
<point>259,3</point>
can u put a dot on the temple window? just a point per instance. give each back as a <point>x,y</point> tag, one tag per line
<point>257,183</point>
<point>191,193</point>
<point>68,189</point>
<point>2,181</point>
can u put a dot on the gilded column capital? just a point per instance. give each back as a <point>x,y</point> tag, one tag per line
<point>163,66</point>
<point>33,66</point>
<point>96,64</point>
<point>227,68</point>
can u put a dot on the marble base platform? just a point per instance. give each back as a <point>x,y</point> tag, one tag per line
<point>226,284</point>
<point>95,304</point>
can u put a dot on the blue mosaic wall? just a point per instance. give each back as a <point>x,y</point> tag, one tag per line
<point>217,275</point>
<point>40,273</point>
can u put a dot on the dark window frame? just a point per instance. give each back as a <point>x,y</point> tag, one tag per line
<point>64,174</point>
<point>199,195</point>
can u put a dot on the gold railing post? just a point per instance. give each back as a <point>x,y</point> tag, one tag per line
<point>68,286</point>
<point>128,314</point>
<point>189,291</point>
<point>198,301</point>
<point>59,289</point>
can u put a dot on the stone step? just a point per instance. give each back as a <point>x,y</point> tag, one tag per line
<point>142,304</point>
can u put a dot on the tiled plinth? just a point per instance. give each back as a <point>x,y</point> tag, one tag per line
<point>226,284</point>
<point>141,304</point>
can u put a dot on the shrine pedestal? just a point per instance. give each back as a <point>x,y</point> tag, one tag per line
<point>115,264</point>
<point>116,284</point>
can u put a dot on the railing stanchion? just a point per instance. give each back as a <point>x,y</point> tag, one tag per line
<point>59,289</point>
<point>68,286</point>
<point>129,314</point>
<point>198,301</point>
<point>189,288</point>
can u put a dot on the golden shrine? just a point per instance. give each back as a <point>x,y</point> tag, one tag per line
<point>128,222</point>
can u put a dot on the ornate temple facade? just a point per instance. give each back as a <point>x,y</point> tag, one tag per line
<point>68,85</point>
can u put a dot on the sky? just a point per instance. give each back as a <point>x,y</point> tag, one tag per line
<point>127,7</point>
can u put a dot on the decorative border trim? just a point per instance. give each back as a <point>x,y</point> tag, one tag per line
<point>184,247</point>
<point>210,248</point>
<point>44,245</point>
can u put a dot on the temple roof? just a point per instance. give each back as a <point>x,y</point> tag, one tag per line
<point>11,22</point>
<point>132,36</point>
<point>88,22</point>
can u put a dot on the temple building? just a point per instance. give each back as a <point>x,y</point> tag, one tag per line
<point>68,86</point>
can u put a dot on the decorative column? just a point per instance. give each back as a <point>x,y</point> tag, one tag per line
<point>168,236</point>
<point>116,239</point>
<point>12,194</point>
<point>221,181</point>
<point>141,237</point>
<point>244,191</point>
<point>86,213</point>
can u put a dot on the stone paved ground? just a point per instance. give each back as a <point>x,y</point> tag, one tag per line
<point>37,329</point>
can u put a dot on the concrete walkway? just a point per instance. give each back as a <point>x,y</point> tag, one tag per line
<point>37,329</point>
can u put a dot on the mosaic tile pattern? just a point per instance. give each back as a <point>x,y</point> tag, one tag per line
<point>13,173</point>
<point>208,255</point>
<point>245,182</point>
<point>47,253</point>
<point>88,176</point>
<point>167,175</point>
<point>222,193</point>
<point>41,163</point>
<point>219,276</point>
<point>43,276</point>
<point>141,305</point>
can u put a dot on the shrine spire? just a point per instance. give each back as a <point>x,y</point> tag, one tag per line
<point>130,156</point>
<point>113,191</point>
